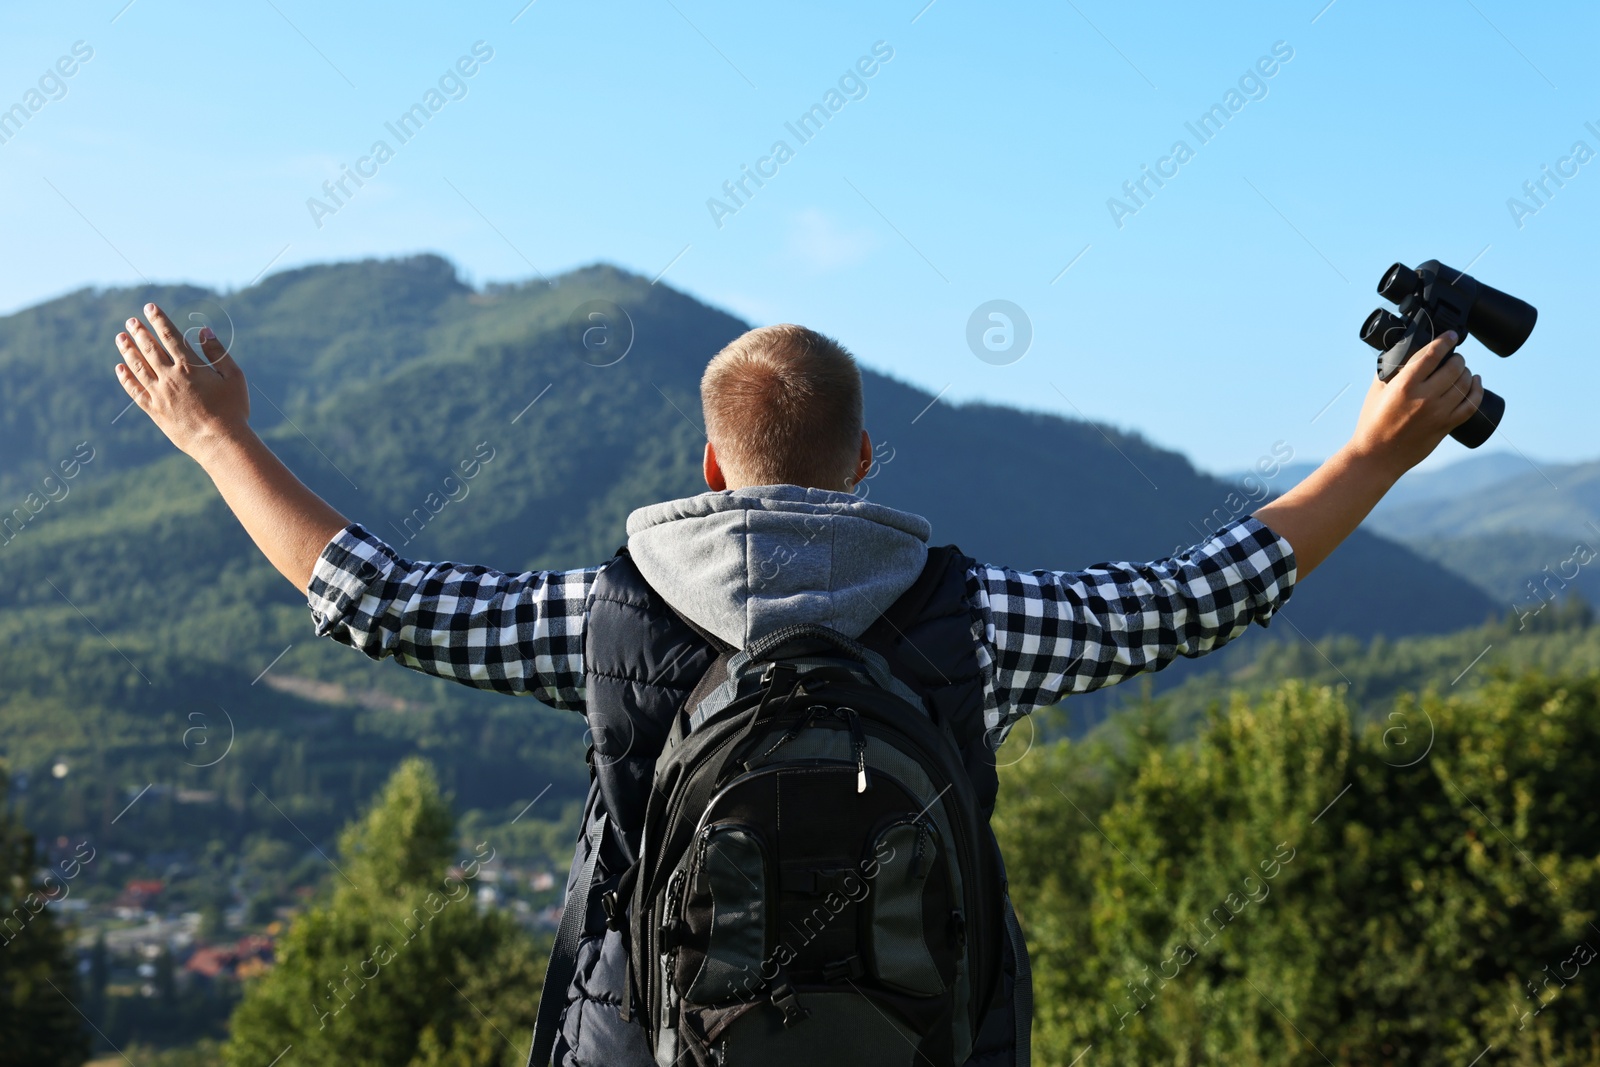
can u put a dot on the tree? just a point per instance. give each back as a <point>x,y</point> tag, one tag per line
<point>1285,890</point>
<point>396,965</point>
<point>99,976</point>
<point>39,1022</point>
<point>166,980</point>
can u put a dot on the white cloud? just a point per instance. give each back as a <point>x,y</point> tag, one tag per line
<point>818,242</point>
<point>756,310</point>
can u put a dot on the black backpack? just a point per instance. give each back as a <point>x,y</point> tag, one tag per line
<point>816,881</point>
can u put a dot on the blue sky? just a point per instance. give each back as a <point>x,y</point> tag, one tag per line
<point>976,164</point>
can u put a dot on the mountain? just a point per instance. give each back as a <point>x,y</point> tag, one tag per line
<point>1562,500</point>
<point>1525,570</point>
<point>1285,477</point>
<point>1466,475</point>
<point>1470,473</point>
<point>131,601</point>
<point>1524,532</point>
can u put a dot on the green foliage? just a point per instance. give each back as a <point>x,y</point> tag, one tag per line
<point>1371,673</point>
<point>202,1053</point>
<point>1282,889</point>
<point>39,1020</point>
<point>125,1019</point>
<point>396,965</point>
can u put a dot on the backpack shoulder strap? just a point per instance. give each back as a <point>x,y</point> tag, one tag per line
<point>563,965</point>
<point>885,634</point>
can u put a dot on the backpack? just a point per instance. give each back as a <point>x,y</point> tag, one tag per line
<point>816,881</point>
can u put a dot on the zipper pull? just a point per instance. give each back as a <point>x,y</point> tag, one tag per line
<point>858,740</point>
<point>788,735</point>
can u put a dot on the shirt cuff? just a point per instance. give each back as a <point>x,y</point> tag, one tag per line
<point>344,573</point>
<point>1263,560</point>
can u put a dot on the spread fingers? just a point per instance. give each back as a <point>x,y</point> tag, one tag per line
<point>155,355</point>
<point>172,337</point>
<point>134,358</point>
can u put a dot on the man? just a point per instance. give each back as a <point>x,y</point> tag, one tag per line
<point>779,539</point>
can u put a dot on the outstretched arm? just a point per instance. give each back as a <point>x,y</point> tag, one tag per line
<point>513,633</point>
<point>1043,635</point>
<point>201,402</point>
<point>1401,423</point>
<point>1046,634</point>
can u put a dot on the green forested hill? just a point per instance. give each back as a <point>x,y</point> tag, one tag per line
<point>133,609</point>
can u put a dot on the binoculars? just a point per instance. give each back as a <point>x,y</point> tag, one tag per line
<point>1435,298</point>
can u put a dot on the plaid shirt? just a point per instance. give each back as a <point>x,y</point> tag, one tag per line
<point>1041,635</point>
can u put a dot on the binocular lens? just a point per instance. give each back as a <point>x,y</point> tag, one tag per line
<point>1500,320</point>
<point>1383,329</point>
<point>1398,282</point>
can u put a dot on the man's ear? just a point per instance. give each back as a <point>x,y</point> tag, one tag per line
<point>863,462</point>
<point>713,471</point>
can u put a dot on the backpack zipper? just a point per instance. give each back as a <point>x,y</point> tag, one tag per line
<point>858,745</point>
<point>858,739</point>
<point>789,734</point>
<point>670,923</point>
<point>652,931</point>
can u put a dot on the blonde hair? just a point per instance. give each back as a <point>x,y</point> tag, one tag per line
<point>783,406</point>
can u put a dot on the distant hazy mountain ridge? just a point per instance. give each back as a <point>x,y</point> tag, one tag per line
<point>1525,532</point>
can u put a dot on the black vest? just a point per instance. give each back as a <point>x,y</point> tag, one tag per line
<point>641,662</point>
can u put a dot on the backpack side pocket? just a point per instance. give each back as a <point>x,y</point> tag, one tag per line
<point>910,913</point>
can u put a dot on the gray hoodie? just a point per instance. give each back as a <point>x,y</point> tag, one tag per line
<point>743,562</point>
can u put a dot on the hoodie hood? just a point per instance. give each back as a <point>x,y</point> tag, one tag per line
<point>745,562</point>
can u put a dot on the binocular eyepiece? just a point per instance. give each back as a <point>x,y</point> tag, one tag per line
<point>1435,298</point>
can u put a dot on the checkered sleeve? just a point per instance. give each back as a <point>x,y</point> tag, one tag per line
<point>513,633</point>
<point>1047,634</point>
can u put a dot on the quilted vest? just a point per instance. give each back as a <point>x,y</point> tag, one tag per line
<point>641,662</point>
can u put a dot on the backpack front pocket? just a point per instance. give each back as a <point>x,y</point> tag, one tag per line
<point>726,917</point>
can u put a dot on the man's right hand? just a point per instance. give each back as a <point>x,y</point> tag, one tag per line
<point>196,401</point>
<point>1403,420</point>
